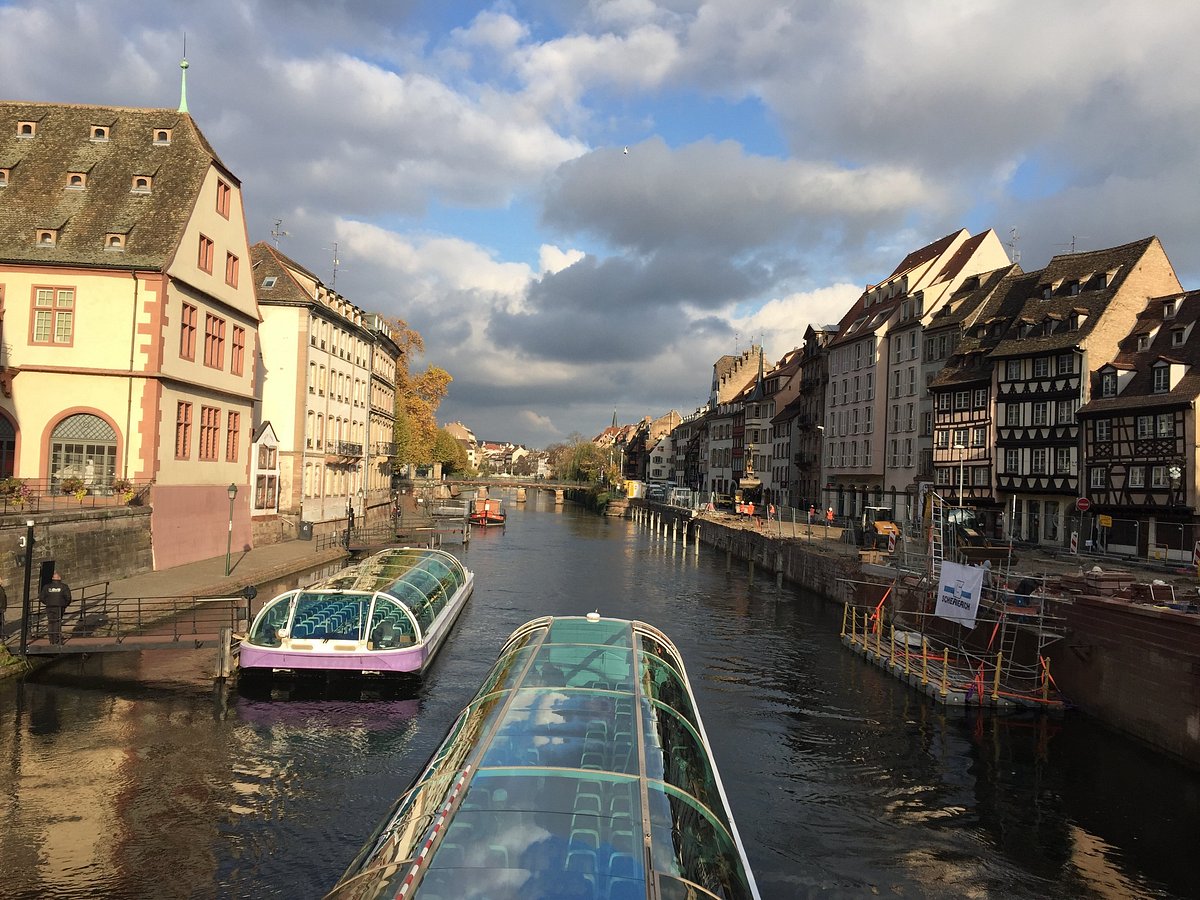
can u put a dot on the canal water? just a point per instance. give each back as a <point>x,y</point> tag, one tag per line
<point>131,776</point>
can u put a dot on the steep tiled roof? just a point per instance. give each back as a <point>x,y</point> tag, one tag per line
<point>1099,275</point>
<point>1138,392</point>
<point>926,254</point>
<point>267,263</point>
<point>37,196</point>
<point>984,312</point>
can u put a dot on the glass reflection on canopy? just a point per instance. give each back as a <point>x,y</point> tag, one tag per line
<point>580,769</point>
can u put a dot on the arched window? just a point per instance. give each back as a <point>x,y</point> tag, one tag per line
<point>83,446</point>
<point>8,448</point>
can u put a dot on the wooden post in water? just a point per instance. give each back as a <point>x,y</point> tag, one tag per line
<point>945,671</point>
<point>845,613</point>
<point>225,654</point>
<point>924,662</point>
<point>996,679</point>
<point>1045,678</point>
<point>696,543</point>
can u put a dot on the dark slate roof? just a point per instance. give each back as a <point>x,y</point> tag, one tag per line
<point>977,308</point>
<point>1139,390</point>
<point>268,262</point>
<point>37,196</point>
<point>1100,274</point>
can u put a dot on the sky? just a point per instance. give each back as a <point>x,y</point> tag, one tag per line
<point>582,204</point>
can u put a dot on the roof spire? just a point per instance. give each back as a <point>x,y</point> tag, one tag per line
<point>183,65</point>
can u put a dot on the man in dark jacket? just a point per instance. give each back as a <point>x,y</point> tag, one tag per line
<point>56,597</point>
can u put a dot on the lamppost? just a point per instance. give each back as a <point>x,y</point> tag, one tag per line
<point>961,453</point>
<point>231,491</point>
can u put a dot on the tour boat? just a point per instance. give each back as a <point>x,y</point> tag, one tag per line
<point>580,769</point>
<point>387,614</point>
<point>485,512</point>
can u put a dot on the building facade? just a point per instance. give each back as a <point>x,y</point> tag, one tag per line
<point>130,325</point>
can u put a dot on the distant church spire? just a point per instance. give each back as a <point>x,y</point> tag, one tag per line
<point>183,65</point>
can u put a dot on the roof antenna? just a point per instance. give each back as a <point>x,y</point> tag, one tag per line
<point>1014,252</point>
<point>336,262</point>
<point>277,232</point>
<point>183,64</point>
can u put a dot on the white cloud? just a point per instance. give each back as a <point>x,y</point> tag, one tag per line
<point>553,259</point>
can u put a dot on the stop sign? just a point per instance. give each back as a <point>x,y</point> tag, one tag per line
<point>1083,504</point>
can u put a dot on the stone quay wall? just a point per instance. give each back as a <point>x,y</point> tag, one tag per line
<point>820,566</point>
<point>87,546</point>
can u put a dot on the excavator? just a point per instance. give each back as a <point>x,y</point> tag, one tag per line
<point>876,526</point>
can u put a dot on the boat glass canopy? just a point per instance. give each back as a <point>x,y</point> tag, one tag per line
<point>389,600</point>
<point>580,769</point>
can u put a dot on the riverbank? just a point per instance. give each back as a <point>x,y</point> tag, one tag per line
<point>268,569</point>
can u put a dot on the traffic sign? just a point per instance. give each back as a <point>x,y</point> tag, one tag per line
<point>1105,521</point>
<point>1074,541</point>
<point>891,543</point>
<point>1083,504</point>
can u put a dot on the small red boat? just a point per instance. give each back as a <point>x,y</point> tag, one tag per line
<point>486,512</point>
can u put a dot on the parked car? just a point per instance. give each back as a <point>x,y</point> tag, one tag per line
<point>656,492</point>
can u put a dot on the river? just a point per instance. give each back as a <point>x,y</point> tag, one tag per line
<point>131,776</point>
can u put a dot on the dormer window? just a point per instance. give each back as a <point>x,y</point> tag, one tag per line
<point>114,241</point>
<point>1143,342</point>
<point>162,136</point>
<point>47,237</point>
<point>141,184</point>
<point>26,129</point>
<point>1073,288</point>
<point>1168,309</point>
<point>1047,292</point>
<point>1108,384</point>
<point>1178,336</point>
<point>1162,379</point>
<point>99,132</point>
<point>77,180</point>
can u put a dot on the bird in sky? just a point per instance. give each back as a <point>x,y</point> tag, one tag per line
<point>626,151</point>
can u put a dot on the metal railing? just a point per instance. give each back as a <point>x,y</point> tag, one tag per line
<point>38,495</point>
<point>109,621</point>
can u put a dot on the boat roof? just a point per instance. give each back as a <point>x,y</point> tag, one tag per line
<point>384,569</point>
<point>580,769</point>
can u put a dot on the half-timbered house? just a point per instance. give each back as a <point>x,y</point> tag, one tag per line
<point>1074,313</point>
<point>1139,436</point>
<point>962,333</point>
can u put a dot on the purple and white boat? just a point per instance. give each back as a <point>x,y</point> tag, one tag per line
<point>388,614</point>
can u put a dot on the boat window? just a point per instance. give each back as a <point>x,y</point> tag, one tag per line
<point>507,672</point>
<point>674,748</point>
<point>324,616</point>
<point>597,668</point>
<point>271,618</point>
<point>542,836</point>
<point>664,684</point>
<point>570,730</point>
<point>391,626</point>
<point>686,842</point>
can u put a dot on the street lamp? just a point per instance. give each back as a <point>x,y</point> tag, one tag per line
<point>961,453</point>
<point>232,492</point>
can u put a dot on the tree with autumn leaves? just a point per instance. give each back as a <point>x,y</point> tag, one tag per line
<point>419,441</point>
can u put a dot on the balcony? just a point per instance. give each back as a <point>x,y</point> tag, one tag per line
<point>347,449</point>
<point>383,448</point>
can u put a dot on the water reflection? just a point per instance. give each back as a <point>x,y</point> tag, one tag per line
<point>129,775</point>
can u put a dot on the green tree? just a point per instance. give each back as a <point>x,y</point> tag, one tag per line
<point>450,452</point>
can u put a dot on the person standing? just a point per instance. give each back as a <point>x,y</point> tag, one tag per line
<point>56,597</point>
<point>3,606</point>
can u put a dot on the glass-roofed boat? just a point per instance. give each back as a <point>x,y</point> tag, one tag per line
<point>579,770</point>
<point>386,614</point>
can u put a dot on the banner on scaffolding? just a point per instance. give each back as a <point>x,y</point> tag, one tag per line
<point>958,593</point>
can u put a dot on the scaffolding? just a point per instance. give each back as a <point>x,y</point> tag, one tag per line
<point>1001,661</point>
